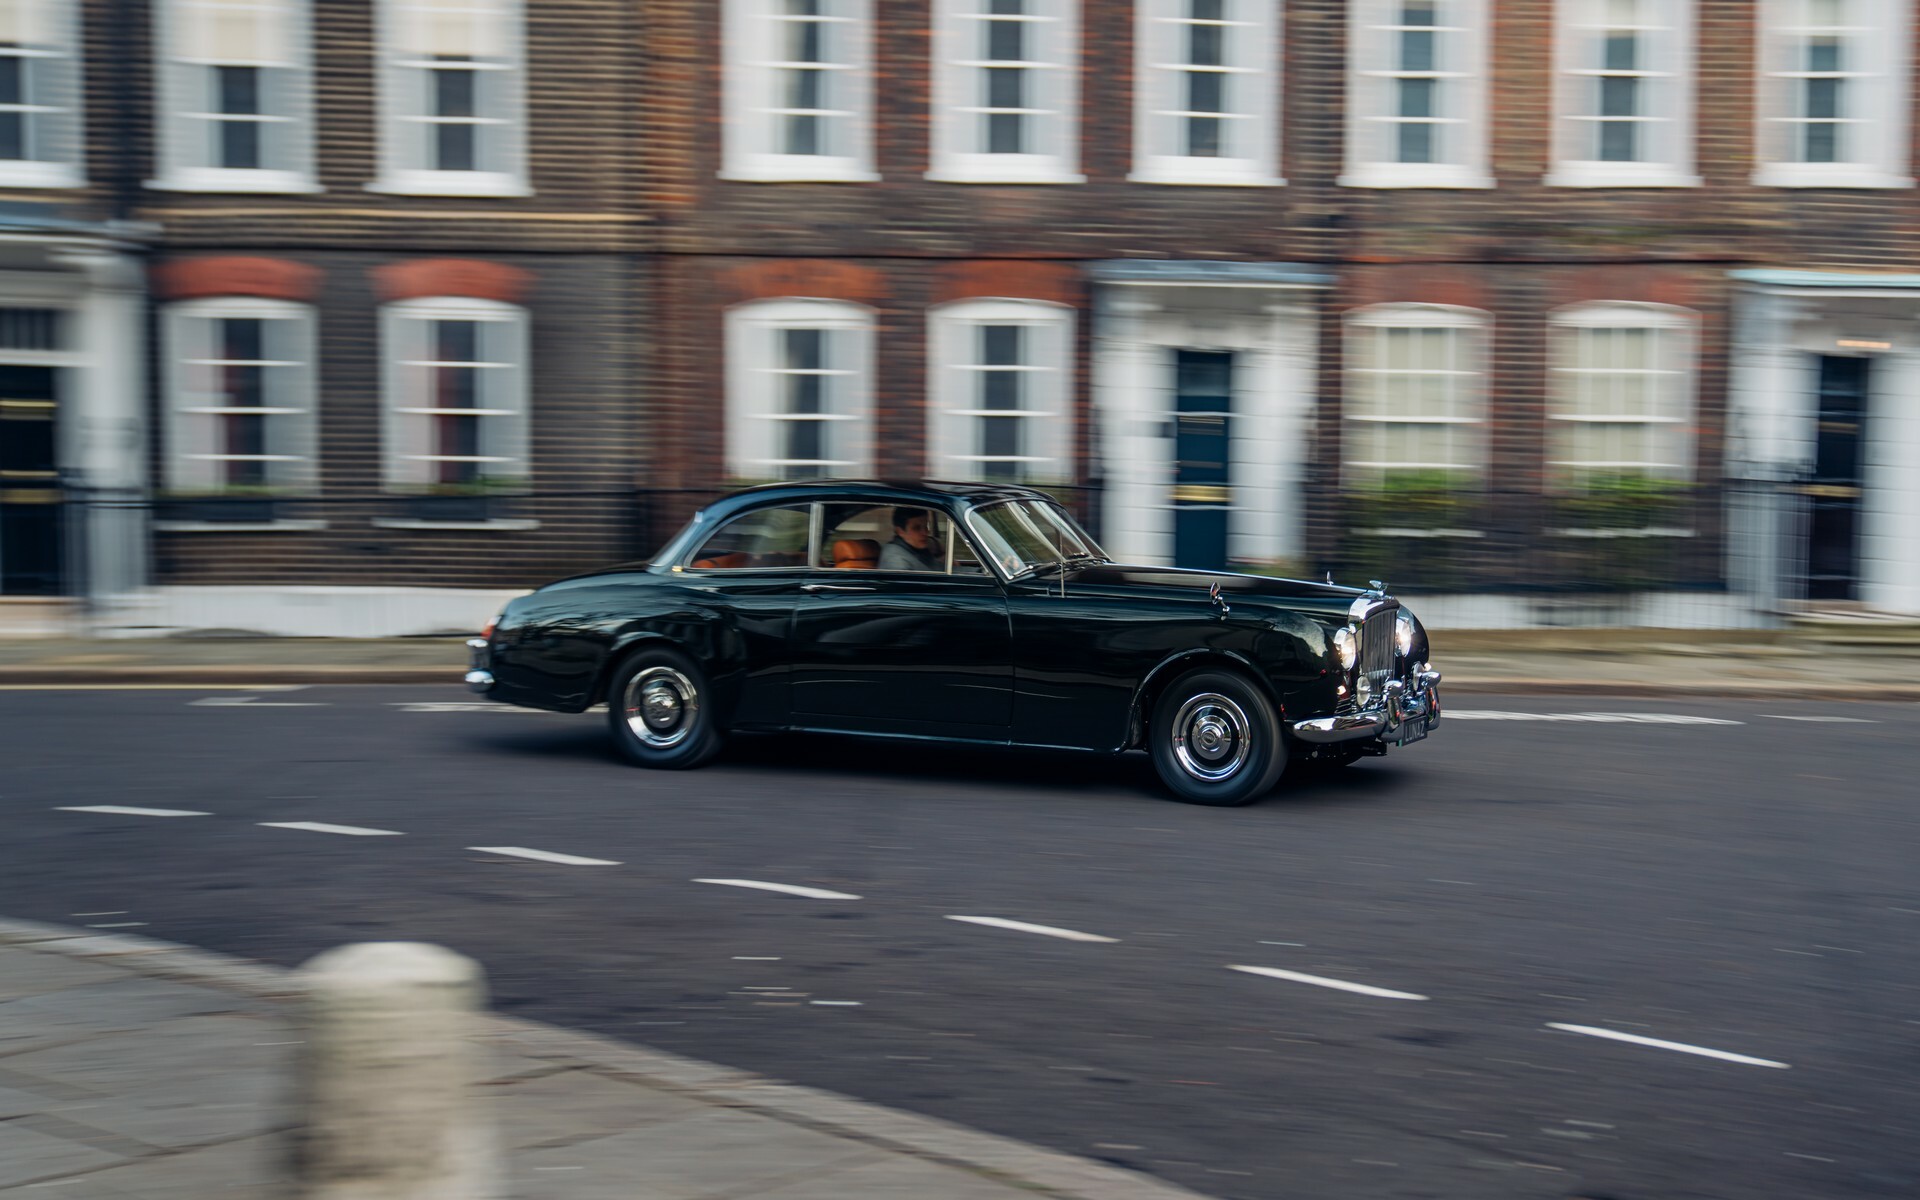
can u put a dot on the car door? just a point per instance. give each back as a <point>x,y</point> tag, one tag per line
<point>878,650</point>
<point>748,574</point>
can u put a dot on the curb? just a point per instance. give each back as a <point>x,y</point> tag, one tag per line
<point>1045,1172</point>
<point>188,677</point>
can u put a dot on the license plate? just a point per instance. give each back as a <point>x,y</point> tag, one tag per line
<point>1413,731</point>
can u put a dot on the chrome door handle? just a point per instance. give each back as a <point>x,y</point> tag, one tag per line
<point>835,587</point>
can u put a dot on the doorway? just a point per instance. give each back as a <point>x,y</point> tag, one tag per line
<point>29,482</point>
<point>1833,539</point>
<point>1202,478</point>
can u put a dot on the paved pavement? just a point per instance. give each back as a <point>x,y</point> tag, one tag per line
<point>1561,949</point>
<point>135,1069</point>
<point>1884,663</point>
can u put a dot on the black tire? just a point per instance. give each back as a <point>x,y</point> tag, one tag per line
<point>1215,739</point>
<point>660,711</point>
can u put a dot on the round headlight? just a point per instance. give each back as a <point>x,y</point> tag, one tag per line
<point>1403,632</point>
<point>1347,647</point>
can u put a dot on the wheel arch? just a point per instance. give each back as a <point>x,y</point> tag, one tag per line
<point>1147,694</point>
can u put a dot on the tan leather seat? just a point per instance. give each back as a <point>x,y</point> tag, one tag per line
<point>856,554</point>
<point>725,562</point>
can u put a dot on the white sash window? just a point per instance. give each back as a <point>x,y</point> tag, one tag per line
<point>1833,93</point>
<point>1005,100</point>
<point>799,390</point>
<point>799,90</point>
<point>1624,94</point>
<point>1002,392</point>
<point>1416,395</point>
<point>235,95</point>
<point>1417,94</point>
<point>240,397</point>
<point>1205,93</point>
<point>455,383</point>
<point>452,98</point>
<point>40,126</point>
<point>1621,394</point>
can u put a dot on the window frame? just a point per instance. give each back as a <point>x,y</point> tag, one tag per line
<point>394,68</point>
<point>1682,325</point>
<point>302,411</point>
<point>1252,39</point>
<point>177,170</point>
<point>1475,325</point>
<point>1881,86</point>
<point>753,330</point>
<point>751,82</point>
<point>958,76</point>
<point>951,403</point>
<point>516,410</point>
<point>63,110</point>
<point>815,515</point>
<point>1671,72</point>
<point>1373,48</point>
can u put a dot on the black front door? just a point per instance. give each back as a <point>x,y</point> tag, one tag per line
<point>894,652</point>
<point>1833,551</point>
<point>29,483</point>
<point>1202,486</point>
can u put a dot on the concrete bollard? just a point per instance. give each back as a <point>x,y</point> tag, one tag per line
<point>385,1104</point>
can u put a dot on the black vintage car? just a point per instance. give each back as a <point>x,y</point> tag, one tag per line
<point>969,613</point>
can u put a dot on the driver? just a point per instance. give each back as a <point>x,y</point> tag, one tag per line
<point>913,548</point>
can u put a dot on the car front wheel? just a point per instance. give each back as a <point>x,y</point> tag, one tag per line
<point>660,712</point>
<point>1215,739</point>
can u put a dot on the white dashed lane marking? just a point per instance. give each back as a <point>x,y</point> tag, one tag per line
<point>789,889</point>
<point>565,860</point>
<point>1586,718</point>
<point>125,810</point>
<point>1656,1043</point>
<point>1819,720</point>
<point>323,827</point>
<point>253,701</point>
<point>1071,935</point>
<point>1322,981</point>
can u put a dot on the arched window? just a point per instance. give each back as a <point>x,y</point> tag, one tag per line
<point>1001,380</point>
<point>1416,393</point>
<point>235,95</point>
<point>1620,396</point>
<point>799,389</point>
<point>240,396</point>
<point>455,388</point>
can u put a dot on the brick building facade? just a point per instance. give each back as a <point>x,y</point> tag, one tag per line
<point>1489,295</point>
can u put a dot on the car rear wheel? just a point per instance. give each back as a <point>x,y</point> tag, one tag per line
<point>1215,739</point>
<point>660,712</point>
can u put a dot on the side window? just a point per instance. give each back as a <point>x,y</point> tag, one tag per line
<point>768,537</point>
<point>889,538</point>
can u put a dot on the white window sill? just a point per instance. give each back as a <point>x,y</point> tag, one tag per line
<point>1618,175</point>
<point>449,183</point>
<point>1202,173</point>
<point>1017,171</point>
<point>239,526</point>
<point>280,182</point>
<point>1412,175</point>
<point>1650,531</point>
<point>1827,175</point>
<point>1396,531</point>
<point>501,526</point>
<point>23,173</point>
<point>799,168</point>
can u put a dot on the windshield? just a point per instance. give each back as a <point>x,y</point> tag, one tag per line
<point>1025,535</point>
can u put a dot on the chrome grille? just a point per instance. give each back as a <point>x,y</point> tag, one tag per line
<point>1376,648</point>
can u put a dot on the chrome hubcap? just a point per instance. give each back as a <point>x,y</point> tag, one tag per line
<point>1211,737</point>
<point>661,706</point>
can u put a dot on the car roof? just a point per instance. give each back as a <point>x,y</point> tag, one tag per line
<point>940,493</point>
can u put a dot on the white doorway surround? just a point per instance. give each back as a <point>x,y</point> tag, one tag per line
<point>1786,325</point>
<point>1266,316</point>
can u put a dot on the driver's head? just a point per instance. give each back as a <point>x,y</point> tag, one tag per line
<point>914,526</point>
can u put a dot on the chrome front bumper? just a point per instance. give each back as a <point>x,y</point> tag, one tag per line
<point>479,660</point>
<point>1409,710</point>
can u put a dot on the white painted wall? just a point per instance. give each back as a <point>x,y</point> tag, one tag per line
<point>276,611</point>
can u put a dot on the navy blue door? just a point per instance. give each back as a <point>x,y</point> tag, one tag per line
<point>29,483</point>
<point>1202,486</point>
<point>1833,562</point>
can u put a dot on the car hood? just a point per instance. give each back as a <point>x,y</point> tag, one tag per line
<point>1120,578</point>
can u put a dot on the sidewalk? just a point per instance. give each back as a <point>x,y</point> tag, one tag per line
<point>1574,662</point>
<point>133,1069</point>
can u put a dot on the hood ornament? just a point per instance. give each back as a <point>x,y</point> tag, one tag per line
<point>1218,601</point>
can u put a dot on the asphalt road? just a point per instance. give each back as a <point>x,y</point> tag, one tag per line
<point>1721,879</point>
